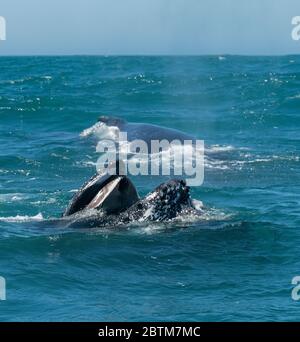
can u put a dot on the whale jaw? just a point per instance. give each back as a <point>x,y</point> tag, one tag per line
<point>111,193</point>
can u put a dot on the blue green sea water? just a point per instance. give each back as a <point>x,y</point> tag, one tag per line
<point>234,265</point>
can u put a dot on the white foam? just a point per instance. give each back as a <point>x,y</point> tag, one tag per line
<point>101,131</point>
<point>220,148</point>
<point>20,218</point>
<point>294,97</point>
<point>203,215</point>
<point>267,159</point>
<point>87,163</point>
<point>15,197</point>
<point>215,164</point>
<point>49,200</point>
<point>198,205</point>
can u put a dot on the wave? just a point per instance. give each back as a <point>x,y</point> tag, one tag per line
<point>25,218</point>
<point>13,197</point>
<point>295,97</point>
<point>224,148</point>
<point>101,131</point>
<point>253,159</point>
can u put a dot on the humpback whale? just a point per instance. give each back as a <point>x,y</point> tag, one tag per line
<point>110,200</point>
<point>135,131</point>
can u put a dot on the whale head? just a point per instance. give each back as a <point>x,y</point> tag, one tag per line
<point>166,202</point>
<point>111,121</point>
<point>110,193</point>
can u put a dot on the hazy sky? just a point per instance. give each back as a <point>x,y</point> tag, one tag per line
<point>149,26</point>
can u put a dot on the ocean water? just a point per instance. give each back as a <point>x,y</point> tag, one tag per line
<point>235,264</point>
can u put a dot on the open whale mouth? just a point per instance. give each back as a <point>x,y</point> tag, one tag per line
<point>111,193</point>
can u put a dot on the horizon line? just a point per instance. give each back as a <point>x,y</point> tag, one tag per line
<point>149,55</point>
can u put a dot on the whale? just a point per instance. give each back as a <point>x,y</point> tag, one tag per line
<point>112,200</point>
<point>110,126</point>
